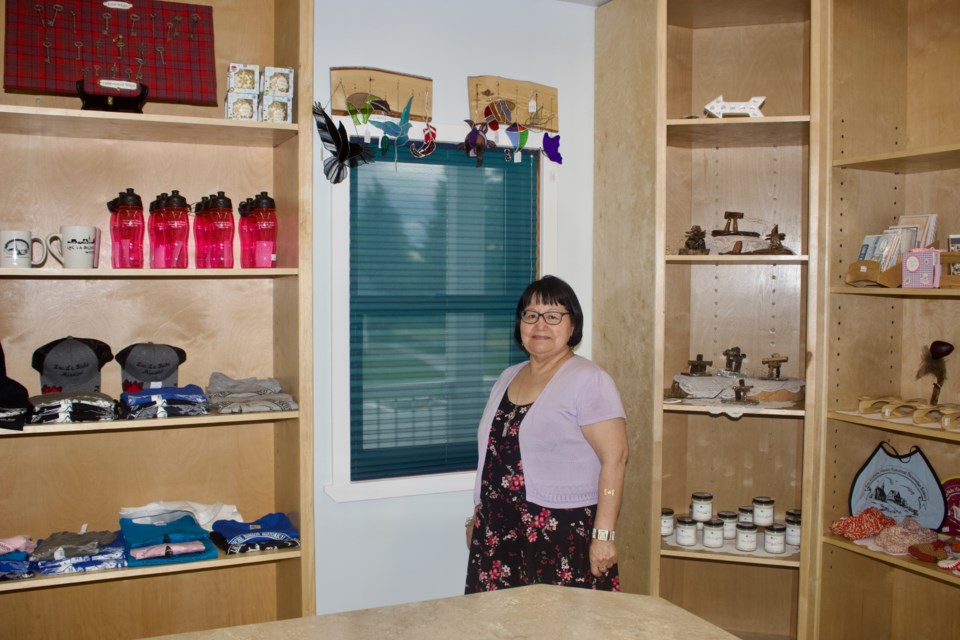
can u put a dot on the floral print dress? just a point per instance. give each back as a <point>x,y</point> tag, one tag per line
<point>516,542</point>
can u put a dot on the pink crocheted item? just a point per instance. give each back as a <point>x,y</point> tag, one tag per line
<point>900,537</point>
<point>869,522</point>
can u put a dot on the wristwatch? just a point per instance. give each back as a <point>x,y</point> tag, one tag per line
<point>603,534</point>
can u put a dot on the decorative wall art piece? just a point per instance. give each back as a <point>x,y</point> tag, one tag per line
<point>112,48</point>
<point>343,153</point>
<point>718,107</point>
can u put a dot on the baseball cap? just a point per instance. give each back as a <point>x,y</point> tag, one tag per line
<point>13,396</point>
<point>146,365</point>
<point>71,364</point>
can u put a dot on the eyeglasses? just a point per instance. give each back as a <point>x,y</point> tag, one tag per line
<point>550,317</point>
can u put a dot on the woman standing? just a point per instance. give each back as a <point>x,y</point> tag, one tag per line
<point>552,453</point>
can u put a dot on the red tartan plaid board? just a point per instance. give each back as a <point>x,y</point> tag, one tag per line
<point>167,46</point>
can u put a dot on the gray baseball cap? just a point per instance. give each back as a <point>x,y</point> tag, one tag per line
<point>146,365</point>
<point>71,364</point>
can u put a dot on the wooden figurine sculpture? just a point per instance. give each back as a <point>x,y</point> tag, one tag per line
<point>698,367</point>
<point>774,244</point>
<point>932,363</point>
<point>773,365</point>
<point>696,242</point>
<point>730,227</point>
<point>734,359</point>
<point>740,394</point>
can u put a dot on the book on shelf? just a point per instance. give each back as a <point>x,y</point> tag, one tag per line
<point>867,246</point>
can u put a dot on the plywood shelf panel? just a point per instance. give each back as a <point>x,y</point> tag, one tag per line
<point>152,424</point>
<point>222,561</point>
<point>907,563</point>
<point>745,409</point>
<point>934,433</point>
<point>887,292</point>
<point>718,260</point>
<point>914,161</point>
<point>738,131</point>
<point>701,14</point>
<point>792,561</point>
<point>73,123</point>
<point>105,272</point>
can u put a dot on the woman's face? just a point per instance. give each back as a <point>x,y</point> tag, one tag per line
<point>542,339</point>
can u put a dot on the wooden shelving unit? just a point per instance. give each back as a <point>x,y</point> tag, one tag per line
<point>659,172</point>
<point>893,141</point>
<point>61,165</point>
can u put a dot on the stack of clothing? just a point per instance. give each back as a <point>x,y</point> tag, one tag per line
<point>247,395</point>
<point>272,531</point>
<point>164,402</point>
<point>14,400</point>
<point>72,406</point>
<point>165,539</point>
<point>67,552</point>
<point>15,557</point>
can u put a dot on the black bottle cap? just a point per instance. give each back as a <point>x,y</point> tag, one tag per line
<point>220,201</point>
<point>175,199</point>
<point>129,198</point>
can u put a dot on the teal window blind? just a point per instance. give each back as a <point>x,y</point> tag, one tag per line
<point>440,251</point>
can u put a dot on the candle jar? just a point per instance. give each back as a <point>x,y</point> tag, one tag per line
<point>713,533</point>
<point>746,536</point>
<point>763,511</point>
<point>793,528</point>
<point>729,520</point>
<point>666,521</point>
<point>745,513</point>
<point>686,531</point>
<point>701,506</point>
<point>774,537</point>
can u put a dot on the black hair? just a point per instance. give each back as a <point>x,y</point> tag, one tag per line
<point>551,290</point>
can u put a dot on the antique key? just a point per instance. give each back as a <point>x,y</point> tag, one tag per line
<point>73,14</point>
<point>106,23</point>
<point>139,68</point>
<point>160,51</point>
<point>129,73</point>
<point>169,30</point>
<point>39,9</point>
<point>133,23</point>
<point>176,28</point>
<point>47,44</point>
<point>120,44</point>
<point>195,18</point>
<point>57,8</point>
<point>78,45</point>
<point>96,70</point>
<point>153,25</point>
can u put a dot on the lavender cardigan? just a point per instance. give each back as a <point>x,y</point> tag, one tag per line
<point>561,469</point>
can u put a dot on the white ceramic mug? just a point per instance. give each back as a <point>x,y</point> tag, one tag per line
<point>79,246</point>
<point>16,249</point>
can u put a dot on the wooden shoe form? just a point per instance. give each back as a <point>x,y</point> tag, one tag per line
<point>946,414</point>
<point>872,404</point>
<point>901,408</point>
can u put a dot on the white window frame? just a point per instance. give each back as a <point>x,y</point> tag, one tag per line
<point>341,488</point>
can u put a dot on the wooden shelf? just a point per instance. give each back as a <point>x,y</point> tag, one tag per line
<point>747,411</point>
<point>887,292</point>
<point>792,561</point>
<point>916,161</point>
<point>151,424</point>
<point>146,274</point>
<point>738,131</point>
<point>223,561</point>
<point>718,260</point>
<point>908,563</point>
<point>896,427</point>
<point>69,123</point>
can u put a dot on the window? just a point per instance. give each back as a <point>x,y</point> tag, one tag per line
<point>440,250</point>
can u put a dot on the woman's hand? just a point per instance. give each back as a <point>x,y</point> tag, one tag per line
<point>603,555</point>
<point>470,522</point>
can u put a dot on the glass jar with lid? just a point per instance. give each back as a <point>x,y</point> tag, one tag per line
<point>686,531</point>
<point>774,537</point>
<point>745,513</point>
<point>793,527</point>
<point>701,506</point>
<point>746,536</point>
<point>729,520</point>
<point>666,521</point>
<point>713,533</point>
<point>763,511</point>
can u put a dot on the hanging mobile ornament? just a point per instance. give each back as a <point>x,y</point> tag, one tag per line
<point>532,105</point>
<point>429,134</point>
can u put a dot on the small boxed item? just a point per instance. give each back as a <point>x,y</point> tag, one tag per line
<point>243,78</point>
<point>921,269</point>
<point>240,106</point>
<point>276,109</point>
<point>277,81</point>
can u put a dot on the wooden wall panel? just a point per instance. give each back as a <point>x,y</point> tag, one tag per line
<point>932,90</point>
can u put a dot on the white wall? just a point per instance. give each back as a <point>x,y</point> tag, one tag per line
<point>387,551</point>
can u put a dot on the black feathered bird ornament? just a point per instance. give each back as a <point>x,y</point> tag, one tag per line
<point>343,153</point>
<point>932,363</point>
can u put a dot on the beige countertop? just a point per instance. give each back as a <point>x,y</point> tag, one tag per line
<point>539,611</point>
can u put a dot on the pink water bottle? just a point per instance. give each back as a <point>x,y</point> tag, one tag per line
<point>213,233</point>
<point>258,233</point>
<point>169,228</point>
<point>126,230</point>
